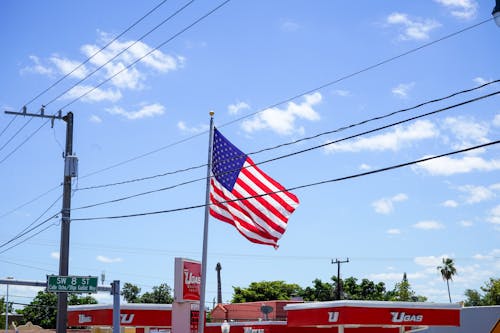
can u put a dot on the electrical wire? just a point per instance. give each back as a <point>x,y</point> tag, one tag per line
<point>150,52</point>
<point>343,78</point>
<point>30,201</point>
<point>96,53</point>
<point>26,239</point>
<point>116,56</point>
<point>16,134</point>
<point>303,150</point>
<point>8,125</point>
<point>340,129</point>
<point>24,141</point>
<point>28,231</point>
<point>293,188</point>
<point>78,67</point>
<point>25,230</point>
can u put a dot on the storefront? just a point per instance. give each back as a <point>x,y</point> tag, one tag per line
<point>326,317</point>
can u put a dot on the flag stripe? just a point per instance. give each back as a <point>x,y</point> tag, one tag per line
<point>244,196</point>
<point>239,219</point>
<point>241,207</point>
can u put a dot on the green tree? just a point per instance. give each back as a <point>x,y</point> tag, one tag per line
<point>447,270</point>
<point>130,293</point>
<point>266,291</point>
<point>42,310</point>
<point>161,294</point>
<point>319,292</point>
<point>473,298</point>
<point>492,292</point>
<point>491,295</point>
<point>2,310</point>
<point>365,290</point>
<point>403,291</point>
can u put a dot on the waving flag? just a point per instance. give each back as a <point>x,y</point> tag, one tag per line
<point>244,196</point>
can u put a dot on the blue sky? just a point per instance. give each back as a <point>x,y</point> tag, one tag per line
<point>273,73</point>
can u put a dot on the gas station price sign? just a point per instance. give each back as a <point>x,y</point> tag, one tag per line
<point>72,284</point>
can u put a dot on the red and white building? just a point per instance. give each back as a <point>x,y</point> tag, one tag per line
<point>317,317</point>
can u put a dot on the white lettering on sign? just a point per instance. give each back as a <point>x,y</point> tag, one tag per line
<point>84,319</point>
<point>333,317</point>
<point>126,318</point>
<point>190,278</point>
<point>253,330</point>
<point>402,317</point>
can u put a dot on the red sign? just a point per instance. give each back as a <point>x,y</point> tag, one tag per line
<point>376,315</point>
<point>187,280</point>
<point>155,315</point>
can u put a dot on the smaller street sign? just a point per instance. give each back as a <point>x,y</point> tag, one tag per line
<point>72,284</point>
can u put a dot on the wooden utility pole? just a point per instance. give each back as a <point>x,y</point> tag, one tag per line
<point>339,284</point>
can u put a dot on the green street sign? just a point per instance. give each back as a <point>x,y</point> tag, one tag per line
<point>72,284</point>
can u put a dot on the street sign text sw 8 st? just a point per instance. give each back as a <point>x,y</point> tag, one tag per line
<point>72,284</point>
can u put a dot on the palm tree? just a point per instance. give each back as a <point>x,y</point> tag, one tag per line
<point>447,271</point>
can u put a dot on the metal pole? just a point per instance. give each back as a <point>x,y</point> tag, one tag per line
<point>7,311</point>
<point>62,298</point>
<point>201,319</point>
<point>115,289</point>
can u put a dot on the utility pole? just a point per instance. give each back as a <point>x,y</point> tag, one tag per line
<point>70,171</point>
<point>339,284</point>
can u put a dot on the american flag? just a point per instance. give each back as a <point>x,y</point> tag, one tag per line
<point>244,196</point>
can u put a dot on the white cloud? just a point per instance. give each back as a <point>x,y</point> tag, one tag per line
<point>480,81</point>
<point>462,9</point>
<point>54,255</point>
<point>365,167</point>
<point>108,260</point>
<point>386,206</point>
<point>467,131</point>
<point>494,216</point>
<point>66,66</point>
<point>192,130</point>
<point>95,119</point>
<point>403,89</point>
<point>393,231</point>
<point>289,25</point>
<point>236,108</point>
<point>466,224</point>
<point>428,225</point>
<point>282,121</point>
<point>37,67</point>
<point>341,92</point>
<point>95,95</point>
<point>429,261</point>
<point>146,111</point>
<point>395,276</point>
<point>395,140</point>
<point>127,53</point>
<point>417,29</point>
<point>450,204</point>
<point>476,193</point>
<point>496,120</point>
<point>446,166</point>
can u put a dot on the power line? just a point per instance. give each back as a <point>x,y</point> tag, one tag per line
<point>95,53</point>
<point>301,151</point>
<point>76,68</point>
<point>296,187</point>
<point>30,201</point>
<point>25,140</point>
<point>26,230</point>
<point>150,52</point>
<point>116,56</point>
<point>340,129</point>
<point>365,69</point>
<point>26,239</point>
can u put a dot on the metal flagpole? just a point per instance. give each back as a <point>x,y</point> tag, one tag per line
<point>201,319</point>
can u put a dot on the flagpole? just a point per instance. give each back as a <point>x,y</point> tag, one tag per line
<point>201,319</point>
